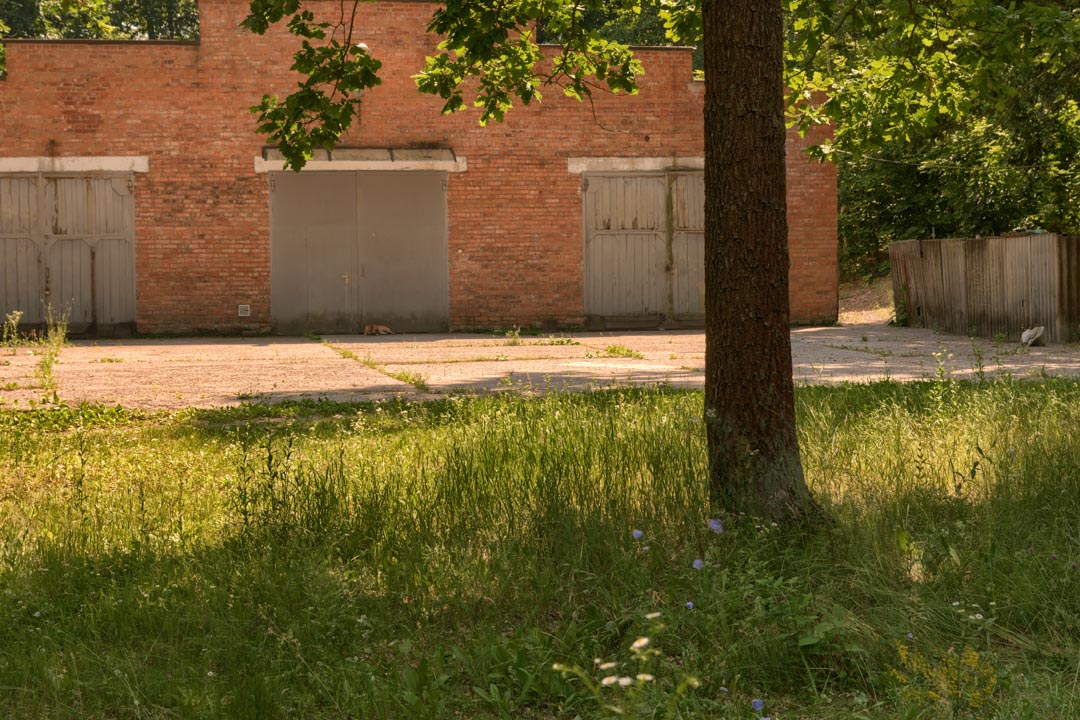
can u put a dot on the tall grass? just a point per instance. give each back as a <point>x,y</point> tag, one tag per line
<point>435,560</point>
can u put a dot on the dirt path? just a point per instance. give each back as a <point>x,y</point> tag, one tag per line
<point>211,372</point>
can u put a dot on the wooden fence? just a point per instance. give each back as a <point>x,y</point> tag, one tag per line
<point>990,286</point>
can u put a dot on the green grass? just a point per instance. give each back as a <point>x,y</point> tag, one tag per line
<point>398,560</point>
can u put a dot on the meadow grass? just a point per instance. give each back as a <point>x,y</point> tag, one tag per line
<point>437,560</point>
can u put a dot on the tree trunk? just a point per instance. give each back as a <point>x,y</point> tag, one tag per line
<point>754,462</point>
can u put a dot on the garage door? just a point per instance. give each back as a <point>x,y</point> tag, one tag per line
<point>67,242</point>
<point>352,248</point>
<point>644,250</point>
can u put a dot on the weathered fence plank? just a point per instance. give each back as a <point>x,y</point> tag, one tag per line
<point>990,286</point>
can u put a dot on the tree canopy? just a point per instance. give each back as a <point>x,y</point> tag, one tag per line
<point>100,19</point>
<point>951,120</point>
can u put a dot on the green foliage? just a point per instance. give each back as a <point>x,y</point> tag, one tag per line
<point>492,44</point>
<point>630,24</point>
<point>100,19</point>
<point>17,17</point>
<point>942,128</point>
<point>683,21</point>
<point>82,19</point>
<point>962,684</point>
<point>336,72</point>
<point>624,688</point>
<point>155,19</point>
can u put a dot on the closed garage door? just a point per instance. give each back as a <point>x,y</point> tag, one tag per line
<point>67,243</point>
<point>352,248</point>
<point>644,250</point>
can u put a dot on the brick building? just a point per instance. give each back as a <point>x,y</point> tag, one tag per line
<point>135,192</point>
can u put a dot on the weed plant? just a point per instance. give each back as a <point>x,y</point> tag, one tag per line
<point>617,350</point>
<point>9,330</point>
<point>49,343</point>
<point>438,560</point>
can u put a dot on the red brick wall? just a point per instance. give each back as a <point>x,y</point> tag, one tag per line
<point>515,218</point>
<point>814,283</point>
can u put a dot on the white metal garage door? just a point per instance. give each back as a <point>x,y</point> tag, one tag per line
<point>644,250</point>
<point>67,242</point>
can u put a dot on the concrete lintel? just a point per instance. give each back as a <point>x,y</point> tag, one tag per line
<point>459,165</point>
<point>133,163</point>
<point>577,165</point>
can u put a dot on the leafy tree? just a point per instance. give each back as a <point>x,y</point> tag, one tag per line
<point>54,19</point>
<point>952,119</point>
<point>638,25</point>
<point>17,17</point>
<point>100,19</point>
<point>155,19</point>
<point>490,52</point>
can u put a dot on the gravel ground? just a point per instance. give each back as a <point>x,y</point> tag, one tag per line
<point>212,372</point>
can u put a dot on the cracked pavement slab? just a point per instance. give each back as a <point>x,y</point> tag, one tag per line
<point>214,372</point>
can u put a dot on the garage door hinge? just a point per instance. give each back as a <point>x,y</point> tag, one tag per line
<point>272,183</point>
<point>445,184</point>
<point>584,183</point>
<point>131,183</point>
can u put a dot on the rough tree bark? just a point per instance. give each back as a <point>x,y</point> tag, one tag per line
<point>749,393</point>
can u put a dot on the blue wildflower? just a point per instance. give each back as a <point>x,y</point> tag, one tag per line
<point>689,604</point>
<point>716,525</point>
<point>698,564</point>
<point>757,704</point>
<point>638,534</point>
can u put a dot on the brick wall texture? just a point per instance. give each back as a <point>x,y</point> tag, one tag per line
<point>515,217</point>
